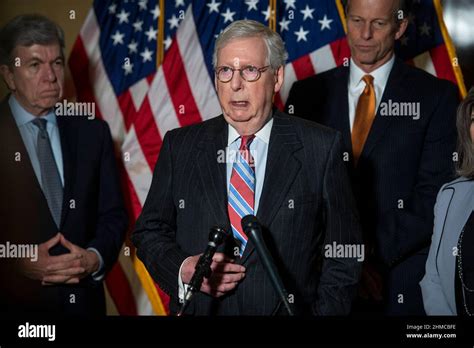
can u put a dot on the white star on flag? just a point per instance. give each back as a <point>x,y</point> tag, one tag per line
<point>167,42</point>
<point>128,67</point>
<point>118,38</point>
<point>213,6</point>
<point>112,8</point>
<point>284,24</point>
<point>138,25</point>
<point>267,13</point>
<point>425,29</point>
<point>301,34</point>
<point>151,34</point>
<point>290,4</point>
<point>325,23</point>
<point>155,12</point>
<point>132,47</point>
<point>252,5</point>
<point>173,21</point>
<point>123,16</point>
<point>307,12</point>
<point>142,4</point>
<point>228,16</point>
<point>146,54</point>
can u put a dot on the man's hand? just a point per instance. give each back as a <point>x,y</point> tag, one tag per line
<point>59,271</point>
<point>224,278</point>
<point>63,269</point>
<point>38,269</point>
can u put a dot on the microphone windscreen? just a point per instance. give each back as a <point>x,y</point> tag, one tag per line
<point>249,221</point>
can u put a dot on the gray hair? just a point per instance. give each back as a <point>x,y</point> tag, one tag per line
<point>276,52</point>
<point>465,163</point>
<point>27,30</point>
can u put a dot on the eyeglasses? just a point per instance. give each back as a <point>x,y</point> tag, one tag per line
<point>249,73</point>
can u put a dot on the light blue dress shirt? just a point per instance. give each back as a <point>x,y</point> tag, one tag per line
<point>29,134</point>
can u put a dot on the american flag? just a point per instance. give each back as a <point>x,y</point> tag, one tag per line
<point>114,64</point>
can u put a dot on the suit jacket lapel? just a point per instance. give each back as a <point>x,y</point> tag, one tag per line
<point>338,115</point>
<point>281,169</point>
<point>68,136</point>
<point>212,170</point>
<point>10,135</point>
<point>393,90</point>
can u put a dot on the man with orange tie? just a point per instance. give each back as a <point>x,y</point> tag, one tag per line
<point>397,162</point>
<point>256,160</point>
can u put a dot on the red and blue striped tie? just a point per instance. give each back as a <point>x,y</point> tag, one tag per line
<point>241,191</point>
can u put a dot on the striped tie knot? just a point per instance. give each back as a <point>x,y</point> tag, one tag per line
<point>246,141</point>
<point>244,150</point>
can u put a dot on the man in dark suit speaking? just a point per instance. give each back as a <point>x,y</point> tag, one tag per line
<point>252,160</point>
<point>62,218</point>
<point>398,129</point>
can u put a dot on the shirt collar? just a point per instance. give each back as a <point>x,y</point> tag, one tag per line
<point>380,74</point>
<point>22,116</point>
<point>263,134</point>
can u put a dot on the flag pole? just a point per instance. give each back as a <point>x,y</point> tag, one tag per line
<point>272,20</point>
<point>450,48</point>
<point>161,34</point>
<point>341,10</point>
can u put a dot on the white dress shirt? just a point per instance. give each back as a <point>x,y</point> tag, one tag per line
<point>356,85</point>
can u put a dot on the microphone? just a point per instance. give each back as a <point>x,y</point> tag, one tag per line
<point>253,230</point>
<point>203,266</point>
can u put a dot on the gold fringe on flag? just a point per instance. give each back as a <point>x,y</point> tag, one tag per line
<point>149,286</point>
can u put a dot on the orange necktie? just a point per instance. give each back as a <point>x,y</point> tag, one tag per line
<point>364,117</point>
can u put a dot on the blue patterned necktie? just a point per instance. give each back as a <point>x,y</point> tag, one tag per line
<point>50,178</point>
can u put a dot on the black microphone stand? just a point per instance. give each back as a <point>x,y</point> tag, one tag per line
<point>203,266</point>
<point>252,228</point>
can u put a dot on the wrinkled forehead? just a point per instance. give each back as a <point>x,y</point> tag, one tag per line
<point>43,52</point>
<point>372,9</point>
<point>243,51</point>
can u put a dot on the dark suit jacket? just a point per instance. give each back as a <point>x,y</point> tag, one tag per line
<point>401,168</point>
<point>96,218</point>
<point>188,195</point>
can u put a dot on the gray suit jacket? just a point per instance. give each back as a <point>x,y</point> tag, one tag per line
<point>306,203</point>
<point>453,207</point>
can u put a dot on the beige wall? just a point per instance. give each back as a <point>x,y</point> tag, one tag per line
<point>57,10</point>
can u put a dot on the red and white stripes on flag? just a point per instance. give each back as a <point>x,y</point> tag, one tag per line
<point>180,93</point>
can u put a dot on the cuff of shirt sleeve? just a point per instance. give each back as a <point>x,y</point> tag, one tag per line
<point>182,288</point>
<point>99,274</point>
